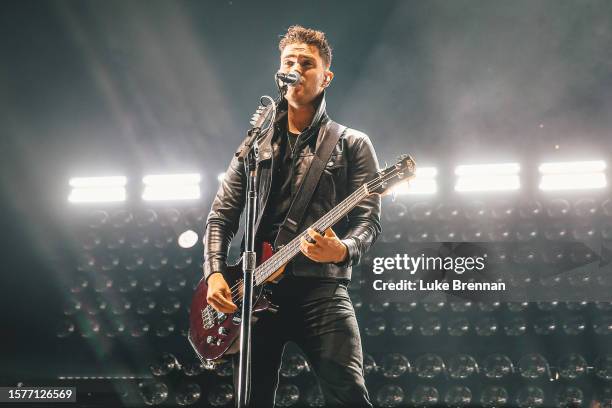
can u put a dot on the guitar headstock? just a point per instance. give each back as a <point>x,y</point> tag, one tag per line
<point>404,169</point>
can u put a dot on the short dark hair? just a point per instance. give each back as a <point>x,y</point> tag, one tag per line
<point>298,34</point>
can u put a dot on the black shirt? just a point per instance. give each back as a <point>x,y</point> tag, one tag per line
<point>281,195</point>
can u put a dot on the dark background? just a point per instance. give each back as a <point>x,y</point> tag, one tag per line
<point>123,87</point>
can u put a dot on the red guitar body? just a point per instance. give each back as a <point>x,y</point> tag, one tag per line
<point>214,334</point>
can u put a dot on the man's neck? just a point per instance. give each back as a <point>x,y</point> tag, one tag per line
<point>299,118</point>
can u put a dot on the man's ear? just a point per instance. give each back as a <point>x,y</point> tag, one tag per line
<point>328,78</point>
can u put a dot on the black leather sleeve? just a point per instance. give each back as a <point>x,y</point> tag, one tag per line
<point>223,219</point>
<point>364,219</point>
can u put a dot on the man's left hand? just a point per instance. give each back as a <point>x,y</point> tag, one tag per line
<point>327,248</point>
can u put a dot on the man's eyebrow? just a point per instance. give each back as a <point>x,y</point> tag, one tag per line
<point>302,56</point>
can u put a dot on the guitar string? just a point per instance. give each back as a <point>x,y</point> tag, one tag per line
<point>283,254</point>
<point>350,201</point>
<point>294,244</point>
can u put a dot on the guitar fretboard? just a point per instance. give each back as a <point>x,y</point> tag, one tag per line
<point>290,250</point>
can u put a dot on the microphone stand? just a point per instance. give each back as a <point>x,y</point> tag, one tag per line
<point>249,156</point>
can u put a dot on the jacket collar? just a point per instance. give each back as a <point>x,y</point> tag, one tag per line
<point>320,117</point>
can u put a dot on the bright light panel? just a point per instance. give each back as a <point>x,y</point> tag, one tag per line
<point>188,239</point>
<point>487,169</point>
<point>162,187</point>
<point>487,177</point>
<point>424,183</point>
<point>594,166</point>
<point>110,181</point>
<point>488,183</point>
<point>578,175</point>
<point>97,189</point>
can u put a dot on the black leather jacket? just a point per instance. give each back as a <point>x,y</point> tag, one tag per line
<point>353,163</point>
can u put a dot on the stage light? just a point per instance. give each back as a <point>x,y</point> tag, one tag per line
<point>120,305</point>
<point>572,175</point>
<point>460,305</point>
<point>171,187</point>
<point>403,326</point>
<point>97,189</point>
<point>164,328</point>
<point>603,367</point>
<point>430,326</point>
<point>487,177</point>
<point>574,325</point>
<point>394,212</point>
<point>293,364</point>
<point>572,366</point>
<point>224,368</point>
<point>458,326</point>
<point>394,365</point>
<point>188,239</point>
<point>530,397</point>
<point>188,394</point>
<point>494,396</point>
<point>533,366</point>
<point>164,365</point>
<point>497,366</point>
<point>489,306</point>
<point>157,261</point>
<point>79,283</point>
<point>153,392</point>
<point>458,396</point>
<point>424,183</point>
<point>602,325</point>
<point>145,217</point>
<point>126,283</point>
<point>425,395</point>
<point>145,305</point>
<point>390,396</point>
<point>569,397</point>
<point>375,326</point>
<point>369,364</point>
<point>193,369</point>
<point>314,397</point>
<point>287,395</point>
<point>65,329</point>
<point>151,283</point>
<point>163,238</point>
<point>486,326</point>
<point>462,366</point>
<point>221,395</point>
<point>429,366</point>
<point>133,261</point>
<point>515,326</point>
<point>175,282</point>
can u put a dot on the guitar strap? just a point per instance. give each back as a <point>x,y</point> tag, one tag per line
<point>289,229</point>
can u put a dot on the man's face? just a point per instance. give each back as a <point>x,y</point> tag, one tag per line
<point>306,60</point>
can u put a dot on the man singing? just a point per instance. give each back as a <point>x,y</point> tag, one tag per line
<point>314,310</point>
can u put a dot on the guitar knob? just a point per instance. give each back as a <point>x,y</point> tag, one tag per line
<point>221,317</point>
<point>223,331</point>
<point>211,339</point>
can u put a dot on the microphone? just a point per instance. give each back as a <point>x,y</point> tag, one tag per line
<point>291,78</point>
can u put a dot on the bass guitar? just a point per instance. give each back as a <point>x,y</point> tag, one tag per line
<point>213,334</point>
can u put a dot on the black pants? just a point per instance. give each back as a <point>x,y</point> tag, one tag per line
<point>319,317</point>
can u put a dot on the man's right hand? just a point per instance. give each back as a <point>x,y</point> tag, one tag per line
<point>219,295</point>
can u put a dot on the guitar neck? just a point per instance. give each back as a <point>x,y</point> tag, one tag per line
<point>289,251</point>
